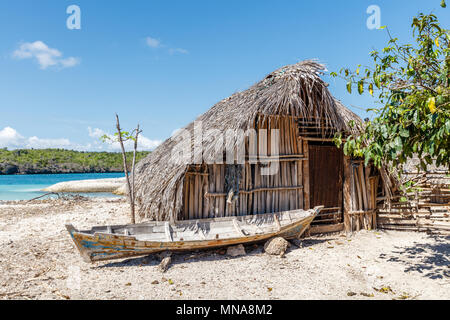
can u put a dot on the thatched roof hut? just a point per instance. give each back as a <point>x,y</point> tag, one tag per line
<point>294,99</point>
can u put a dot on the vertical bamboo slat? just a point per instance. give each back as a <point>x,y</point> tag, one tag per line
<point>191,197</point>
<point>205,199</point>
<point>199,197</point>
<point>221,183</point>
<point>218,211</point>
<point>300,174</point>
<point>250,186</point>
<point>186,198</point>
<point>363,187</point>
<point>347,191</point>
<point>195,197</point>
<point>306,193</point>
<point>358,189</point>
<point>369,198</point>
<point>214,211</point>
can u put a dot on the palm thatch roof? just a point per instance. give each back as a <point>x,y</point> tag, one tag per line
<point>294,90</point>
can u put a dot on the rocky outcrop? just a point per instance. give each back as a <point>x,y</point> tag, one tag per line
<point>11,169</point>
<point>7,169</point>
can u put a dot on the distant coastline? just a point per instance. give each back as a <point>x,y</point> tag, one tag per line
<point>60,161</point>
<point>25,171</point>
<point>29,186</point>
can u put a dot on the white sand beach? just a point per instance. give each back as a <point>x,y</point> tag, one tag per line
<point>87,186</point>
<point>38,260</point>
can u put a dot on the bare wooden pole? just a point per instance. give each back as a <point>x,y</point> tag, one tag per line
<point>130,184</point>
<point>133,166</point>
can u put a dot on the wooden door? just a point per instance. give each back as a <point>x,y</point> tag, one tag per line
<point>326,178</point>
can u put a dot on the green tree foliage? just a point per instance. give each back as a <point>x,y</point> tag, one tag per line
<point>65,160</point>
<point>411,84</point>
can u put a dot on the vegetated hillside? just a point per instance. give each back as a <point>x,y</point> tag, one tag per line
<point>33,161</point>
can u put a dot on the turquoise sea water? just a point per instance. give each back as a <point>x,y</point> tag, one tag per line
<point>25,187</point>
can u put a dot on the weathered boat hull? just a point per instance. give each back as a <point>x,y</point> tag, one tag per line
<point>98,246</point>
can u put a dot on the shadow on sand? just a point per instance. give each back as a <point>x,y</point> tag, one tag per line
<point>432,260</point>
<point>182,257</point>
<point>216,254</point>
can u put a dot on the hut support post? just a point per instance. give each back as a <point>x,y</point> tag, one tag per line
<point>347,195</point>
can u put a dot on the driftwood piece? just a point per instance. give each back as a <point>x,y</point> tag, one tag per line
<point>47,194</point>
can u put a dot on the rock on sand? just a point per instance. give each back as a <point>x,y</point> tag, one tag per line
<point>236,251</point>
<point>276,246</point>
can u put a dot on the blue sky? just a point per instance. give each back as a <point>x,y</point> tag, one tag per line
<point>162,63</point>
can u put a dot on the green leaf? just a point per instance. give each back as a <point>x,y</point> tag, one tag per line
<point>398,143</point>
<point>349,87</point>
<point>404,133</point>
<point>346,148</point>
<point>360,87</point>
<point>377,82</point>
<point>413,97</point>
<point>423,165</point>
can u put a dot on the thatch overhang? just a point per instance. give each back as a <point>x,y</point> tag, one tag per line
<point>296,90</point>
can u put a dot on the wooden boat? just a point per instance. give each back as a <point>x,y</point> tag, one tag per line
<point>123,241</point>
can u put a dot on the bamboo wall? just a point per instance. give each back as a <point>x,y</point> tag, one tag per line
<point>220,190</point>
<point>360,196</point>
<point>425,208</point>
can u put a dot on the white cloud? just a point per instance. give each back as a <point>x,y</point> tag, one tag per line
<point>45,56</point>
<point>70,62</point>
<point>12,139</point>
<point>38,143</point>
<point>178,50</point>
<point>144,143</point>
<point>148,144</point>
<point>156,43</point>
<point>152,42</point>
<point>96,133</point>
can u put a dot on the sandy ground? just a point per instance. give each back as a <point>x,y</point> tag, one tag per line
<point>39,261</point>
<point>94,185</point>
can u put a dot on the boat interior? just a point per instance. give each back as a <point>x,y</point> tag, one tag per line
<point>206,229</point>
